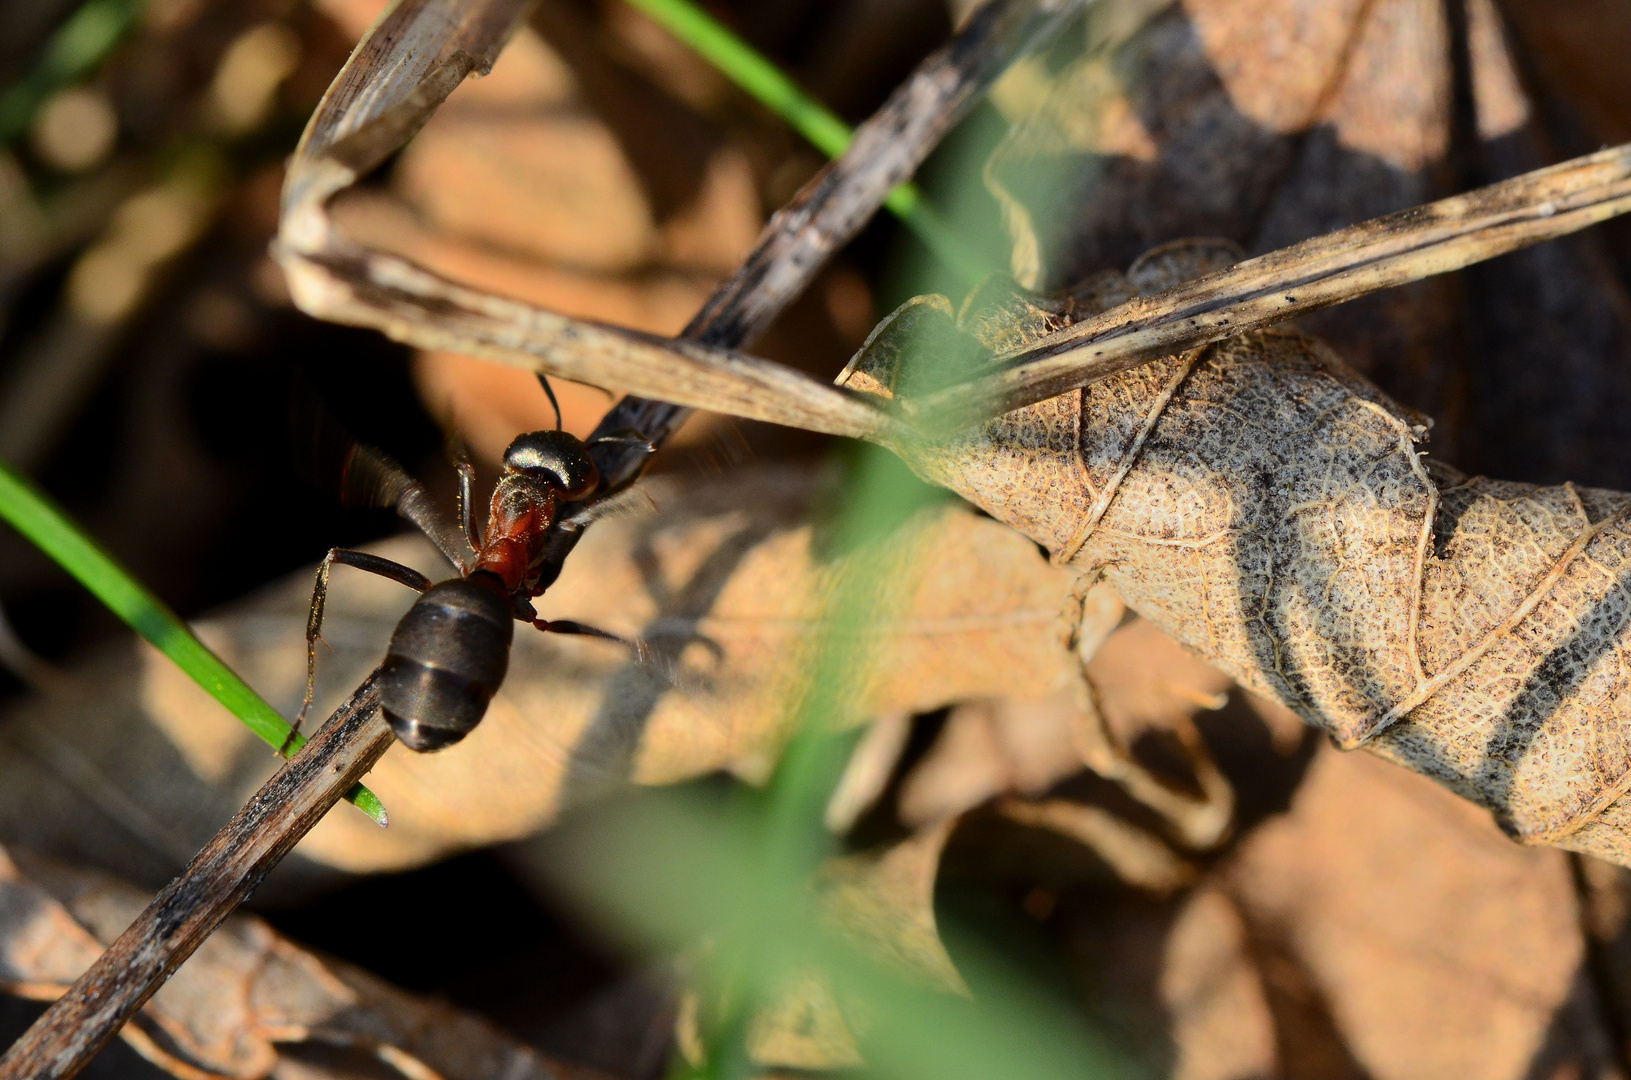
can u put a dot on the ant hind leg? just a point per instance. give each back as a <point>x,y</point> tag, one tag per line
<point>361,560</point>
<point>641,650</point>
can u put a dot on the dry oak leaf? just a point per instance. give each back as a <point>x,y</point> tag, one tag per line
<point>1436,948</point>
<point>1261,503</point>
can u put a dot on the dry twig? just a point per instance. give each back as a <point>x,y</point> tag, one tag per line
<point>838,202</point>
<point>1332,269</point>
<point>189,909</point>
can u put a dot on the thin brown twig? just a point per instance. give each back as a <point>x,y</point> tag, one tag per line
<point>795,243</point>
<point>826,214</point>
<point>1333,268</point>
<point>189,909</point>
<point>834,206</point>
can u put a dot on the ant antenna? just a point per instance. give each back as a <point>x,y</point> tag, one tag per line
<point>549,391</point>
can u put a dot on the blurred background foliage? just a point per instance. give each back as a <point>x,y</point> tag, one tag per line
<point>1224,896</point>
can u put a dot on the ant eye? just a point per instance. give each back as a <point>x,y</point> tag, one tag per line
<point>561,457</point>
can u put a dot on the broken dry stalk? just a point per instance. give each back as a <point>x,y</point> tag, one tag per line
<point>226,871</point>
<point>416,56</point>
<point>1332,269</point>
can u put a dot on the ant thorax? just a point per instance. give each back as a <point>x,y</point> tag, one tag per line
<point>523,506</point>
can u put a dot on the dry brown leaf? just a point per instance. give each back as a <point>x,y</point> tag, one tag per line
<point>727,586</point>
<point>1264,505</point>
<point>1435,947</point>
<point>1378,927</point>
<point>990,748</point>
<point>801,1027</point>
<point>884,902</point>
<point>249,1003</point>
<point>529,182</point>
<point>1220,1022</point>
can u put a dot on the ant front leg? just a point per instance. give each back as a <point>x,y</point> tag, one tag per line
<point>374,564</point>
<point>467,477</point>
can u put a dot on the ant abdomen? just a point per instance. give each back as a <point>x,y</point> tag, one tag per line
<point>448,656</point>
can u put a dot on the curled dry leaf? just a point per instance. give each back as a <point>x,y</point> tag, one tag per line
<point>250,1003</point>
<point>726,585</point>
<point>1263,504</point>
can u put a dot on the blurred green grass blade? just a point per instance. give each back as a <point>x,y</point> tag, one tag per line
<point>77,48</point>
<point>31,513</point>
<point>744,66</point>
<point>672,869</point>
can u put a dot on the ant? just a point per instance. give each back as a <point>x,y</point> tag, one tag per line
<point>450,652</point>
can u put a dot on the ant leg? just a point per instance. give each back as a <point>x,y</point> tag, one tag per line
<point>642,651</point>
<point>467,477</point>
<point>361,560</point>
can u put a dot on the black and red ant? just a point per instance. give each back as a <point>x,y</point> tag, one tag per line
<point>450,652</point>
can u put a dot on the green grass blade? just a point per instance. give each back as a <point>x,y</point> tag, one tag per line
<point>77,48</point>
<point>755,74</point>
<point>33,514</point>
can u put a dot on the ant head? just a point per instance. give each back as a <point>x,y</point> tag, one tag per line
<point>560,458</point>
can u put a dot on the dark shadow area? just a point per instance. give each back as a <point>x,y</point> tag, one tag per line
<point>982,921</point>
<point>463,927</point>
<point>466,930</point>
<point>117,1062</point>
<point>1264,776</point>
<point>1307,1039</point>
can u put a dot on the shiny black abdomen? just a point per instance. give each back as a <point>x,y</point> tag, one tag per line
<point>447,658</point>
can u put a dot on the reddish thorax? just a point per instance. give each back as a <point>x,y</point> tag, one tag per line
<point>522,510</point>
